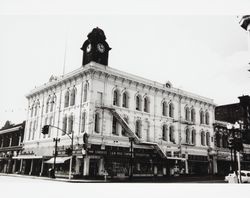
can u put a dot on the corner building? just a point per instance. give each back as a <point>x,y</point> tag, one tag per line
<point>134,125</point>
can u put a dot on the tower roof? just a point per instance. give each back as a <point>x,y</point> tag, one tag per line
<point>97,34</point>
<point>245,21</point>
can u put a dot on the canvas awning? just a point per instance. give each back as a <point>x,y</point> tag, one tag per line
<point>59,160</point>
<point>27,157</point>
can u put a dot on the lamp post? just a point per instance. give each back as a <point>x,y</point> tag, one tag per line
<point>131,139</point>
<point>232,146</point>
<point>71,159</point>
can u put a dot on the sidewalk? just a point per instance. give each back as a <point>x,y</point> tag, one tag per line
<point>54,179</point>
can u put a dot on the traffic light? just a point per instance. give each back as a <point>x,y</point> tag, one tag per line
<point>68,151</point>
<point>230,143</point>
<point>45,129</point>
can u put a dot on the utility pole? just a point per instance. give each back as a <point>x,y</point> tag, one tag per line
<point>71,159</point>
<point>55,154</point>
<point>131,157</point>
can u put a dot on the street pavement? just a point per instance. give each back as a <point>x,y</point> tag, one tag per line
<point>180,179</point>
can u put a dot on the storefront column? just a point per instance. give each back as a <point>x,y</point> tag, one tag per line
<point>78,164</point>
<point>101,167</point>
<point>14,166</point>
<point>164,171</point>
<point>41,171</point>
<point>21,166</point>
<point>86,166</point>
<point>215,168</point>
<point>155,170</point>
<point>186,163</point>
<point>31,167</point>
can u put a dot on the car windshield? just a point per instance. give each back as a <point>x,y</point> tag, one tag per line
<point>243,174</point>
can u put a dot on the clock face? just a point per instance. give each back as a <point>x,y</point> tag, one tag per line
<point>100,47</point>
<point>88,48</point>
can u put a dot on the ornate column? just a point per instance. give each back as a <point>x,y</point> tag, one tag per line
<point>86,166</point>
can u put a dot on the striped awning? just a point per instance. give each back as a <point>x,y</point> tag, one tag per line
<point>59,160</point>
<point>27,157</point>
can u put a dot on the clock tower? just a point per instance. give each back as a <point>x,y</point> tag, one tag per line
<point>95,48</point>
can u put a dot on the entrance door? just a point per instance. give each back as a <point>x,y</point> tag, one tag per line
<point>93,167</point>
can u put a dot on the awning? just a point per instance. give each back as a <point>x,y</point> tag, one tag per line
<point>27,157</point>
<point>177,158</point>
<point>59,160</point>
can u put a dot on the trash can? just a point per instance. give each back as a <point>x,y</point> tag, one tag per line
<point>51,173</point>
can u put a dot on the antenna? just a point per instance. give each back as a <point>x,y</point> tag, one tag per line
<point>65,53</point>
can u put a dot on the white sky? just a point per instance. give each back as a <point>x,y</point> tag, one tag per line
<point>203,54</point>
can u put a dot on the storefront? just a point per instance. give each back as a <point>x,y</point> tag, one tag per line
<point>198,165</point>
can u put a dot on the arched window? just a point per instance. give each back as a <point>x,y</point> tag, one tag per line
<point>71,124</point>
<point>47,105</point>
<point>116,98</point>
<point>73,97</point>
<point>115,126</point>
<point>192,115</point>
<point>171,134</point>
<point>31,110</point>
<point>64,127</point>
<point>187,133</point>
<point>202,138</point>
<point>83,121</point>
<point>201,117</point>
<point>53,100</point>
<point>125,100</point>
<point>66,99</point>
<point>193,136</point>
<point>35,110</point>
<point>85,92</point>
<point>187,114</point>
<point>138,103</point>
<point>171,110</point>
<point>164,132</point>
<point>138,128</point>
<point>207,118</point>
<point>218,139</point>
<point>148,130</point>
<point>97,123</point>
<point>146,104</point>
<point>124,133</point>
<point>208,139</point>
<point>164,108</point>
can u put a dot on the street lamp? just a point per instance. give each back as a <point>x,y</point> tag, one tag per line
<point>236,145</point>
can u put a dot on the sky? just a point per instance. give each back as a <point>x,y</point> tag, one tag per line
<point>206,54</point>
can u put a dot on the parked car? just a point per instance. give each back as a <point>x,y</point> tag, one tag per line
<point>245,177</point>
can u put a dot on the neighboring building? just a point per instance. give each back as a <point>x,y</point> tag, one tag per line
<point>172,129</point>
<point>10,146</point>
<point>238,112</point>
